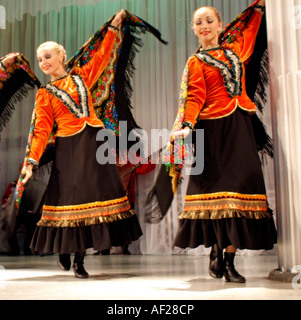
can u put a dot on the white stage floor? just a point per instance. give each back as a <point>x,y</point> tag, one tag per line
<point>139,277</point>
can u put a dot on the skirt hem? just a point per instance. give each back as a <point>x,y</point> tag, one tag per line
<point>78,239</point>
<point>241,233</point>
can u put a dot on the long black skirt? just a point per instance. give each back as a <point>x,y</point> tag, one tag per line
<point>85,205</point>
<point>227,203</point>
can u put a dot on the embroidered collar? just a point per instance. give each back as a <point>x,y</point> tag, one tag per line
<point>80,110</point>
<point>232,74</point>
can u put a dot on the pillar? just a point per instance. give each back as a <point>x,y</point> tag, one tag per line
<point>284,34</point>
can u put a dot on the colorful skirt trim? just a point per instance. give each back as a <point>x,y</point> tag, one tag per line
<point>222,205</point>
<point>86,214</point>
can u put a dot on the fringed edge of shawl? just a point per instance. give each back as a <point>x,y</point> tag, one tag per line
<point>9,107</point>
<point>124,72</point>
<point>260,97</point>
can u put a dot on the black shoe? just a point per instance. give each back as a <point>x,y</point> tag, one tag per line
<point>230,273</point>
<point>216,264</point>
<point>105,252</point>
<point>125,250</point>
<point>64,261</point>
<point>79,271</point>
<point>78,266</point>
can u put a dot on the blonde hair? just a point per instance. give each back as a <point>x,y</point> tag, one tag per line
<point>59,48</point>
<point>216,12</point>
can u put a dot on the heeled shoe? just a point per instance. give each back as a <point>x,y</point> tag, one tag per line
<point>64,261</point>
<point>216,264</point>
<point>78,266</point>
<point>230,273</point>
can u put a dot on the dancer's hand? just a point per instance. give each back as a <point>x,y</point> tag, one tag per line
<point>118,18</point>
<point>261,3</point>
<point>184,133</point>
<point>28,173</point>
<point>10,58</point>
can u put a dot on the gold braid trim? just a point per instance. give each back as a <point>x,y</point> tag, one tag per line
<point>85,206</point>
<point>219,195</point>
<point>224,214</point>
<point>86,221</point>
<point>226,202</point>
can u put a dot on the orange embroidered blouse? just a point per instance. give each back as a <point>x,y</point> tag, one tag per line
<point>50,109</point>
<point>207,96</point>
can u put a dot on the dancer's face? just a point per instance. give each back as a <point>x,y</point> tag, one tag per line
<point>207,26</point>
<point>50,60</point>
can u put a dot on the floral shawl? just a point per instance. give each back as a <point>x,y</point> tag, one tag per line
<point>15,83</point>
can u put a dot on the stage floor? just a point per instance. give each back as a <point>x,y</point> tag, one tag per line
<point>139,277</point>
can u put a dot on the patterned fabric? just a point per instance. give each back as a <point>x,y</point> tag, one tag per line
<point>80,110</point>
<point>232,75</point>
<point>86,214</point>
<point>15,83</point>
<point>20,63</point>
<point>222,205</point>
<point>234,28</point>
<point>111,95</point>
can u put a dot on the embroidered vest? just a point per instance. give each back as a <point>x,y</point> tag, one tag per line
<point>232,74</point>
<point>80,110</point>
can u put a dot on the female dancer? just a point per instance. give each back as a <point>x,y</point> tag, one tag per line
<point>226,206</point>
<point>85,205</point>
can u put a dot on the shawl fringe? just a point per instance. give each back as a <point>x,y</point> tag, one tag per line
<point>6,111</point>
